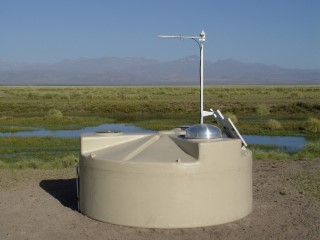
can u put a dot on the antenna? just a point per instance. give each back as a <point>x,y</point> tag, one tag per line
<point>226,123</point>
<point>199,40</point>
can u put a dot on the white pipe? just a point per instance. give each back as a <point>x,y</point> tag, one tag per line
<point>201,83</point>
<point>199,40</point>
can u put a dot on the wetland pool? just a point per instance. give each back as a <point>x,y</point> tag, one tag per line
<point>286,143</point>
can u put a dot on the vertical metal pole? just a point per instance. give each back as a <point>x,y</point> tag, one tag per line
<point>201,83</point>
<point>199,40</point>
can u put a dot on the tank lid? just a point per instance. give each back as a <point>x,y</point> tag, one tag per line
<point>203,131</point>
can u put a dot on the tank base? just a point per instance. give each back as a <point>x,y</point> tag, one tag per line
<point>164,180</point>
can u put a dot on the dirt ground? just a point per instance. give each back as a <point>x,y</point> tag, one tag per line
<point>41,204</point>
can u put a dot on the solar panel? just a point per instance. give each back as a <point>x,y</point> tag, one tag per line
<point>228,127</point>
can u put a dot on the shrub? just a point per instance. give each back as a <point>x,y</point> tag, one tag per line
<point>262,110</point>
<point>312,125</point>
<point>310,150</point>
<point>54,114</point>
<point>5,117</point>
<point>48,96</point>
<point>259,154</point>
<point>296,94</point>
<point>65,162</point>
<point>232,116</point>
<point>145,97</point>
<point>31,95</point>
<point>66,96</point>
<point>222,95</point>
<point>273,124</point>
<point>312,147</point>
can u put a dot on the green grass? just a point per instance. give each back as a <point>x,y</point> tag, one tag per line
<point>38,152</point>
<point>261,152</point>
<point>15,124</point>
<point>157,107</point>
<point>57,153</point>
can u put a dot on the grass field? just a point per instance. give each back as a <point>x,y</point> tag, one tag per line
<point>34,152</point>
<point>161,108</point>
<point>263,110</point>
<point>57,153</point>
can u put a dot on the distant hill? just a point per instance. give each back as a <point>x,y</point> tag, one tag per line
<point>141,71</point>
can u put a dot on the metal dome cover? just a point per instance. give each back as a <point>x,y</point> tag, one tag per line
<point>203,131</point>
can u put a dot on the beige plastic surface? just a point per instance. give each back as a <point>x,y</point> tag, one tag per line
<point>164,180</point>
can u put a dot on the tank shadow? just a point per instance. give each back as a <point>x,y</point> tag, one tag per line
<point>64,190</point>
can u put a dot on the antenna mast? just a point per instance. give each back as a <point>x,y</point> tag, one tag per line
<point>199,40</point>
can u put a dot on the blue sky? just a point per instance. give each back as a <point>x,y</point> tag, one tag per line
<point>283,32</point>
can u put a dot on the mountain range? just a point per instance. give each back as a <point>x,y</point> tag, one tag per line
<point>141,71</point>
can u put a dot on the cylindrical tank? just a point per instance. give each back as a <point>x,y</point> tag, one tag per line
<point>164,180</point>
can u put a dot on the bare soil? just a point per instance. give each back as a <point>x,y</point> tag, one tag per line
<point>41,204</point>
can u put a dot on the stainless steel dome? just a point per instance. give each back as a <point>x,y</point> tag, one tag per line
<point>203,131</point>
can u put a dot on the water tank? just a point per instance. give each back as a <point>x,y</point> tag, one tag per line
<point>165,180</point>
